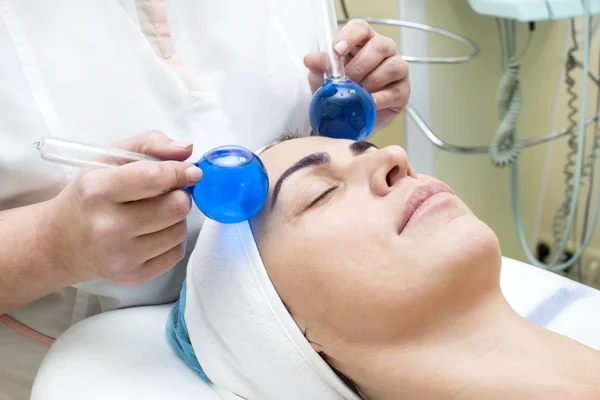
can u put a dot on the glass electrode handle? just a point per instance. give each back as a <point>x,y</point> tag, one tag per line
<point>68,152</point>
<point>233,188</point>
<point>341,108</point>
<point>331,62</point>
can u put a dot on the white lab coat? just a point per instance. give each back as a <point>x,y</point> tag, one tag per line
<point>207,71</point>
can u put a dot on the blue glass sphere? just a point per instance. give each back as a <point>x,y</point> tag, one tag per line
<point>234,185</point>
<point>342,109</point>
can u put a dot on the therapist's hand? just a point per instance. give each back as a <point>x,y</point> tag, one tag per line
<point>126,225</point>
<point>373,61</point>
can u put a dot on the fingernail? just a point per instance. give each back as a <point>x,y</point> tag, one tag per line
<point>194,174</point>
<point>341,47</point>
<point>181,145</point>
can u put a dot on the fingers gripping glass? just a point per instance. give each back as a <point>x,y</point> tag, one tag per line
<point>233,188</point>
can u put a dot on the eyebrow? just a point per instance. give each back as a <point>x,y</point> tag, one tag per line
<point>357,148</point>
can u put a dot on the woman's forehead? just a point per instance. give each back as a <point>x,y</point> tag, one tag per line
<point>281,156</point>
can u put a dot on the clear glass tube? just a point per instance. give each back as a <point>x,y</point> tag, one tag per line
<point>68,152</point>
<point>333,65</point>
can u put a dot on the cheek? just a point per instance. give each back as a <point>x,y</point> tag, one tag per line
<point>444,274</point>
<point>324,269</point>
<point>456,237</point>
<point>325,258</point>
<point>476,256</point>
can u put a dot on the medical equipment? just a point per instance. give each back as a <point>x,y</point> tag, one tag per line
<point>233,188</point>
<point>424,28</point>
<point>534,10</point>
<point>341,108</point>
<point>234,185</point>
<point>506,145</point>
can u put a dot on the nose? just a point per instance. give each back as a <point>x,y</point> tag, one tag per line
<point>390,165</point>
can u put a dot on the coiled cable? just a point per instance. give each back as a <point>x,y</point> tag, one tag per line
<point>506,144</point>
<point>559,221</point>
<point>590,167</point>
<point>553,265</point>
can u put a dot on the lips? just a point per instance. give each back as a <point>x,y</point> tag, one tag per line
<point>418,196</point>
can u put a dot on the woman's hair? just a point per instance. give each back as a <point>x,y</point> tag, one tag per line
<point>283,138</point>
<point>288,135</point>
<point>333,364</point>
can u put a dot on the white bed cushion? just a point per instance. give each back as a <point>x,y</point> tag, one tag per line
<point>120,354</point>
<point>553,301</point>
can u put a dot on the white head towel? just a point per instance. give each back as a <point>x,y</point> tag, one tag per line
<point>245,340</point>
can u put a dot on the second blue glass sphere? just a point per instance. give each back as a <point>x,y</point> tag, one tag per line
<point>342,109</point>
<point>234,185</point>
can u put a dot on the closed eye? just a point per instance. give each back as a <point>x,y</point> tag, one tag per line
<point>322,196</point>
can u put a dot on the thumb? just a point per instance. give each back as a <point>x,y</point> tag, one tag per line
<point>156,144</point>
<point>315,62</point>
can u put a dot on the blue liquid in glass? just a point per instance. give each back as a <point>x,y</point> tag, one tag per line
<point>234,185</point>
<point>342,109</point>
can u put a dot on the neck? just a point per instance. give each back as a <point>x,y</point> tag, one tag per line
<point>490,353</point>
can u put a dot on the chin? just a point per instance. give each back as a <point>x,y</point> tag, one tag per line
<point>471,239</point>
<point>477,252</point>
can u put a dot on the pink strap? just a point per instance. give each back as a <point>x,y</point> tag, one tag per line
<point>25,331</point>
<point>163,32</point>
<point>155,26</point>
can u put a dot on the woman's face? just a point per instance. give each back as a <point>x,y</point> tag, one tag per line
<point>362,249</point>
